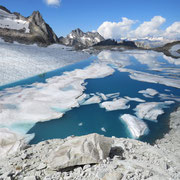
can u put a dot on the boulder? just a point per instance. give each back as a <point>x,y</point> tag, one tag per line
<point>89,149</point>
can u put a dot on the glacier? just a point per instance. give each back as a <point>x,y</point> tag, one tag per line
<point>19,61</point>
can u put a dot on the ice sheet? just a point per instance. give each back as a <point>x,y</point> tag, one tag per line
<point>136,126</point>
<point>19,61</point>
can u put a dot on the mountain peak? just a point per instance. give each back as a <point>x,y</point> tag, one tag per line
<point>5,9</point>
<point>78,32</point>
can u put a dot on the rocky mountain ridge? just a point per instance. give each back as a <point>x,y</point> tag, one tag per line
<point>27,30</point>
<point>81,40</point>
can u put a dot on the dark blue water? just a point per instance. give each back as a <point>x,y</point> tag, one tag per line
<point>91,118</point>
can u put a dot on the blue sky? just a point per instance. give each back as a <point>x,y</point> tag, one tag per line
<point>90,14</point>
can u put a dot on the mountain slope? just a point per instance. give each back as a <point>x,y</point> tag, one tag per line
<point>170,49</point>
<point>79,39</point>
<point>33,29</point>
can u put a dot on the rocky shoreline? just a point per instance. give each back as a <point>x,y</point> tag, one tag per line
<point>97,157</point>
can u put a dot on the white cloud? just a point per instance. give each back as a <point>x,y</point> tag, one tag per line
<point>149,28</point>
<point>173,31</point>
<point>53,2</point>
<point>115,30</point>
<point>152,28</point>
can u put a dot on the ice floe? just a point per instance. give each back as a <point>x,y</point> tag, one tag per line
<point>151,78</point>
<point>134,99</point>
<point>92,100</point>
<point>80,124</point>
<point>45,101</point>
<point>136,126</point>
<point>149,92</point>
<point>116,104</point>
<point>103,129</point>
<point>151,110</point>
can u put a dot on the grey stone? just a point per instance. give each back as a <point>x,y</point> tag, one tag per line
<point>89,149</point>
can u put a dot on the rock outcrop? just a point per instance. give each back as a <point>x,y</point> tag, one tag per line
<point>27,30</point>
<point>94,157</point>
<point>170,49</point>
<point>89,149</point>
<point>81,40</point>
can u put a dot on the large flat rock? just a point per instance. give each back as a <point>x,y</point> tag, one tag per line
<point>89,149</point>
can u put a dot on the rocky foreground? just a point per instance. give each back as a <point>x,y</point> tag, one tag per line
<point>97,157</point>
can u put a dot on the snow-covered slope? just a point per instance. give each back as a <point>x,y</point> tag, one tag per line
<point>33,29</point>
<point>18,61</point>
<point>12,21</point>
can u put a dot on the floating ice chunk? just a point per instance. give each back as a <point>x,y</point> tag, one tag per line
<point>80,124</point>
<point>169,97</point>
<point>151,110</point>
<point>103,129</point>
<point>103,96</point>
<point>146,77</point>
<point>152,78</point>
<point>116,104</point>
<point>134,99</point>
<point>92,100</point>
<point>10,142</point>
<point>113,95</point>
<point>136,126</point>
<point>148,91</point>
<point>82,98</point>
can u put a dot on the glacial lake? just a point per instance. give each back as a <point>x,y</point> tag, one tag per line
<point>150,77</point>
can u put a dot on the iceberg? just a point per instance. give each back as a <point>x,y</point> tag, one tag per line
<point>116,104</point>
<point>136,126</point>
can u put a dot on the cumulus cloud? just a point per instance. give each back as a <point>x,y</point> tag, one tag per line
<point>115,30</point>
<point>152,28</point>
<point>53,2</point>
<point>149,28</point>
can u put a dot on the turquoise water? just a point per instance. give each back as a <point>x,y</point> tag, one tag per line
<point>91,118</point>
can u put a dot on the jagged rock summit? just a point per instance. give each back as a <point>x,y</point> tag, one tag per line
<point>28,30</point>
<point>80,40</point>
